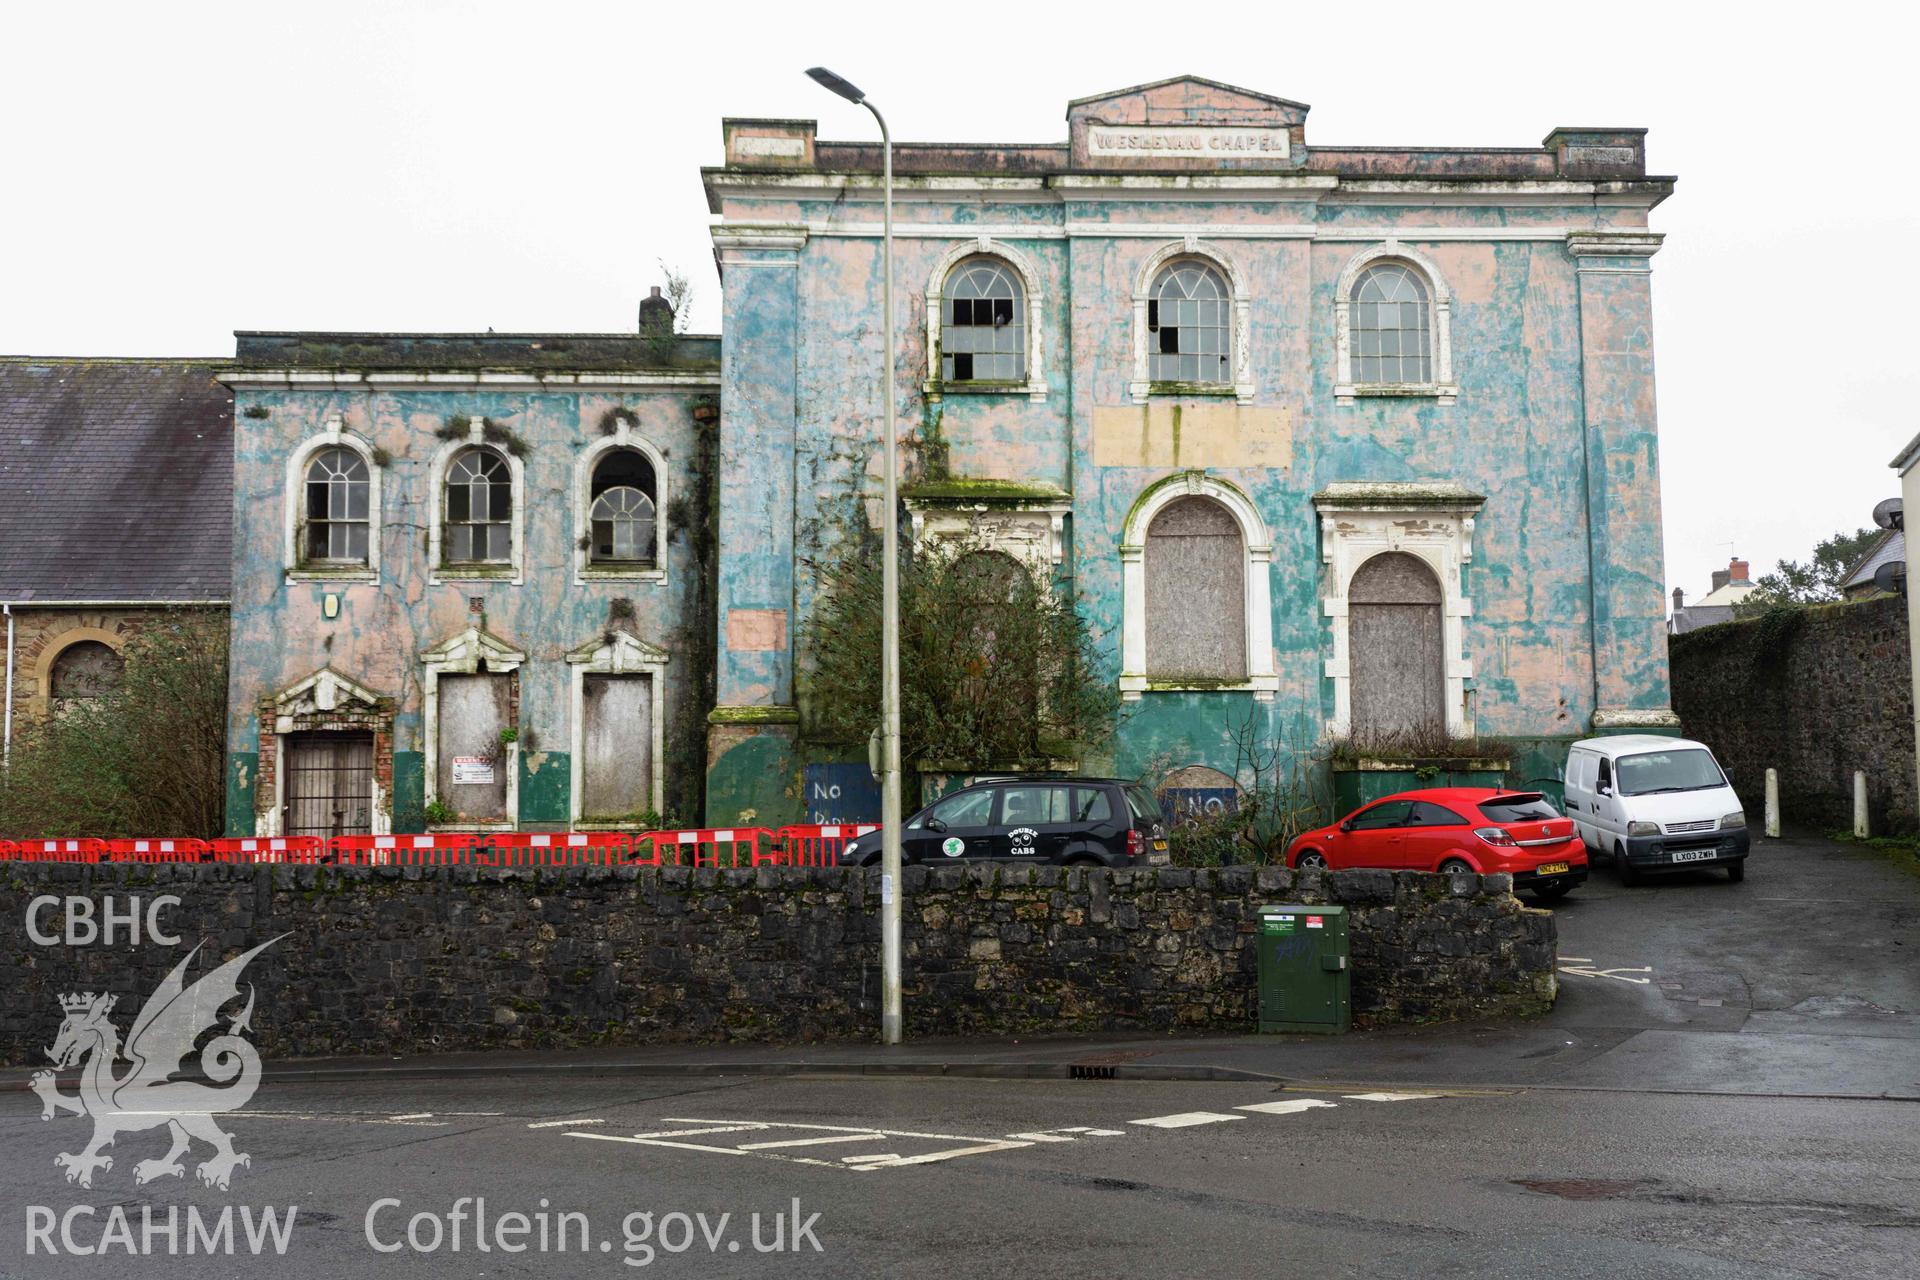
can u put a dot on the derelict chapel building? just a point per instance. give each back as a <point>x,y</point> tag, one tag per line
<point>1349,439</point>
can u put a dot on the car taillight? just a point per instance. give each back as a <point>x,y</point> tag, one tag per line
<point>1494,835</point>
<point>1136,843</point>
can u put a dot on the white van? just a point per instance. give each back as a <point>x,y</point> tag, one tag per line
<point>1655,804</point>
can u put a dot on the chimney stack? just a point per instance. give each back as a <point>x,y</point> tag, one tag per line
<point>1738,568</point>
<point>1720,578</point>
<point>655,312</point>
<point>1679,599</point>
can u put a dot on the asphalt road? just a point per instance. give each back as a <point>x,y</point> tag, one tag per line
<point>1704,1102</point>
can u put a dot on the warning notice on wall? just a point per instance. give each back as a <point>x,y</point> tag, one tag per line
<point>472,769</point>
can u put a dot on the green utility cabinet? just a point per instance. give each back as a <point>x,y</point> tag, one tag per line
<point>1305,980</point>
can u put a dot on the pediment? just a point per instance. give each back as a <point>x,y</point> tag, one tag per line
<point>325,690</point>
<point>619,651</point>
<point>1187,100</point>
<point>466,650</point>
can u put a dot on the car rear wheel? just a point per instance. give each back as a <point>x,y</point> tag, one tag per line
<point>1628,875</point>
<point>1453,866</point>
<point>1311,860</point>
<point>1736,872</point>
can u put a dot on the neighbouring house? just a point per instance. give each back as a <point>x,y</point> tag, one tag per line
<point>1342,439</point>
<point>1731,585</point>
<point>469,579</point>
<point>1890,548</point>
<point>116,479</point>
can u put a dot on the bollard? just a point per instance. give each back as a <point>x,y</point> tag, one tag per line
<point>1773,804</point>
<point>1860,831</point>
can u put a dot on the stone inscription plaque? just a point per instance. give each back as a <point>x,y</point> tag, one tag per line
<point>1191,142</point>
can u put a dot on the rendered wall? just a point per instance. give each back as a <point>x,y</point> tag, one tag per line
<point>280,634</point>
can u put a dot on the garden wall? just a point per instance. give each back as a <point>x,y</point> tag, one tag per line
<point>386,960</point>
<point>1815,694</point>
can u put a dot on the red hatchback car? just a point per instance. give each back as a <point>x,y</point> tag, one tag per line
<point>1455,829</point>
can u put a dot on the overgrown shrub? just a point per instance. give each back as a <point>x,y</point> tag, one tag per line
<point>146,757</point>
<point>996,668</point>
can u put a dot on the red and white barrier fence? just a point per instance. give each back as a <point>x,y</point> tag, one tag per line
<point>730,848</point>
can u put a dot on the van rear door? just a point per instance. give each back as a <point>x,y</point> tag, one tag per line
<point>1148,822</point>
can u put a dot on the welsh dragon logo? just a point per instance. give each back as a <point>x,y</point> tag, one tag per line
<point>146,1097</point>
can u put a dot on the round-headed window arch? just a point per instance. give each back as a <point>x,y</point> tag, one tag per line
<point>84,670</point>
<point>478,513</point>
<point>622,516</point>
<point>983,323</point>
<point>337,506</point>
<point>1190,324</point>
<point>1391,339</point>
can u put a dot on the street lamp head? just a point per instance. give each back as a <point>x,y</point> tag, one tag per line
<point>826,79</point>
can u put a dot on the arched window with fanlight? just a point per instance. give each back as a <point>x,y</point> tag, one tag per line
<point>1392,340</point>
<point>622,518</point>
<point>983,329</point>
<point>1190,325</point>
<point>479,509</point>
<point>1393,327</point>
<point>337,507</point>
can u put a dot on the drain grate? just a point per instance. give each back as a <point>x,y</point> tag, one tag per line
<point>1081,1071</point>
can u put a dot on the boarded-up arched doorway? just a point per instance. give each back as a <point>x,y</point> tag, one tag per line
<point>1196,593</point>
<point>1395,656</point>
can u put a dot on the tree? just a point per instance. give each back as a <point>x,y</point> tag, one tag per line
<point>1818,580</point>
<point>995,666</point>
<point>146,757</point>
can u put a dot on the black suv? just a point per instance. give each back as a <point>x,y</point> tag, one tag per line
<point>1103,822</point>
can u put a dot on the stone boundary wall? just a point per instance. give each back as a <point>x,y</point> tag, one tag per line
<point>390,960</point>
<point>1814,697</point>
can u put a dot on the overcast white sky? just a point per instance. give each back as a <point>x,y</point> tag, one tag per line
<point>178,171</point>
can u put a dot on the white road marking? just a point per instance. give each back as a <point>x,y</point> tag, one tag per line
<point>1067,1134</point>
<point>812,1142</point>
<point>934,1157</point>
<point>1584,969</point>
<point>557,1124</point>
<point>1185,1119</point>
<point>414,1115</point>
<point>1287,1108</point>
<point>747,1127</point>
<point>1390,1097</point>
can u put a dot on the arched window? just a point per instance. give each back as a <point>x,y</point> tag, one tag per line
<point>337,507</point>
<point>1190,325</point>
<point>983,326</point>
<point>1196,593</point>
<point>83,671</point>
<point>478,510</point>
<point>1390,337</point>
<point>1393,327</point>
<point>621,518</point>
<point>1395,649</point>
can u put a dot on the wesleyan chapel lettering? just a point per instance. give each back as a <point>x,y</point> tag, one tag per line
<point>1187,140</point>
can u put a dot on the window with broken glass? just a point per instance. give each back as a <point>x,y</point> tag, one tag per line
<point>337,507</point>
<point>622,519</point>
<point>983,333</point>
<point>1189,325</point>
<point>478,525</point>
<point>1390,338</point>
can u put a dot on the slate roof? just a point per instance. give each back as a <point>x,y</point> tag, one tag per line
<point>1891,547</point>
<point>116,481</point>
<point>574,352</point>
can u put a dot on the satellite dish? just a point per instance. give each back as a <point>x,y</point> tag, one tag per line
<point>1888,514</point>
<point>1891,577</point>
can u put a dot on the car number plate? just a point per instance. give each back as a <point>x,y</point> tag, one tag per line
<point>1160,859</point>
<point>1692,855</point>
<point>1552,868</point>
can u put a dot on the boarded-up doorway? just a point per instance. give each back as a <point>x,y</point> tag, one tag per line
<point>616,746</point>
<point>1196,567</point>
<point>471,766</point>
<point>328,784</point>
<point>1399,674</point>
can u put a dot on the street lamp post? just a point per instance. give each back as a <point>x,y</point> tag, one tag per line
<point>890,1007</point>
